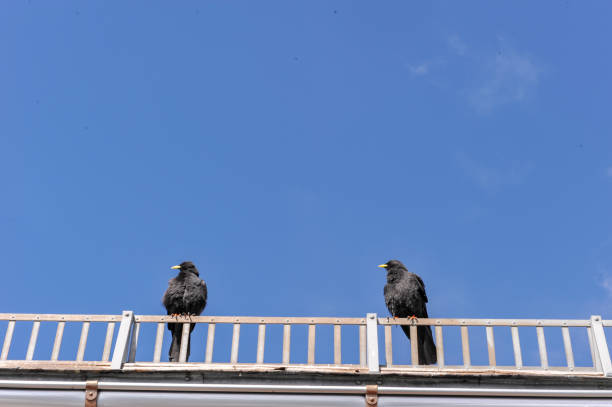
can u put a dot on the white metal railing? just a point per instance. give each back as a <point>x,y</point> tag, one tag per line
<point>125,343</point>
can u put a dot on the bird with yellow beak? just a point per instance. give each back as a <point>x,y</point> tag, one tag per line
<point>186,295</point>
<point>405,298</point>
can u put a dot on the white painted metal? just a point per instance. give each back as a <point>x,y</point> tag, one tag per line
<point>372,342</point>
<point>122,342</point>
<point>516,345</point>
<point>59,333</point>
<point>159,337</point>
<point>108,342</point>
<point>362,346</point>
<point>311,343</point>
<point>134,342</point>
<point>82,342</point>
<point>601,346</point>
<point>8,337</point>
<point>388,346</point>
<point>414,346</point>
<point>210,342</point>
<point>184,342</point>
<point>465,347</point>
<point>261,343</point>
<point>368,341</point>
<point>542,347</point>
<point>593,348</point>
<point>286,343</point>
<point>567,344</point>
<point>33,339</point>
<point>235,344</point>
<point>491,346</point>
<point>310,389</point>
<point>439,347</point>
<point>337,345</point>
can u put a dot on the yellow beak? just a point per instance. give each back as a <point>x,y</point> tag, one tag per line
<point>175,267</point>
<point>383,266</point>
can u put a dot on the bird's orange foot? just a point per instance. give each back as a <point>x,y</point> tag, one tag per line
<point>413,319</point>
<point>395,316</point>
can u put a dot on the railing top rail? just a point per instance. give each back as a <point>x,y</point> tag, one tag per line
<point>487,322</point>
<point>305,320</point>
<point>606,322</point>
<point>60,317</point>
<point>252,320</point>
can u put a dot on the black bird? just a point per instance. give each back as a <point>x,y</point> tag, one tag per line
<point>405,297</point>
<point>186,295</point>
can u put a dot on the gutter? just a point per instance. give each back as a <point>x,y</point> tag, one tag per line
<point>304,389</point>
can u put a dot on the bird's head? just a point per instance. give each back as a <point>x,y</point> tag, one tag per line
<point>393,264</point>
<point>186,266</point>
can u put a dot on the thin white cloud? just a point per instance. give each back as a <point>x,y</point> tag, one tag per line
<point>420,69</point>
<point>490,178</point>
<point>485,79</point>
<point>606,283</point>
<point>510,77</point>
<point>457,45</point>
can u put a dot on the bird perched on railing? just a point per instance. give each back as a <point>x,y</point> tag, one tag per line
<point>186,296</point>
<point>405,298</point>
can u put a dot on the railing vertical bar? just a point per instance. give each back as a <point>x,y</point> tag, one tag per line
<point>8,337</point>
<point>235,344</point>
<point>33,339</point>
<point>414,345</point>
<point>159,339</point>
<point>184,342</point>
<point>337,344</point>
<point>362,346</point>
<point>210,342</point>
<point>465,347</point>
<point>83,342</point>
<point>134,342</point>
<point>516,345</point>
<point>491,346</point>
<point>261,343</point>
<point>439,346</point>
<point>108,341</point>
<point>542,347</point>
<point>286,343</point>
<point>388,346</point>
<point>592,347</point>
<point>567,344</point>
<point>601,345</point>
<point>59,333</point>
<point>311,343</point>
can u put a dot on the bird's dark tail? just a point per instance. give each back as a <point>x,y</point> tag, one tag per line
<point>427,348</point>
<point>175,346</point>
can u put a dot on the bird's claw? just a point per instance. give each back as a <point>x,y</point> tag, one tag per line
<point>413,319</point>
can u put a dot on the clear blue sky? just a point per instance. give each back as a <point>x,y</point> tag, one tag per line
<point>287,148</point>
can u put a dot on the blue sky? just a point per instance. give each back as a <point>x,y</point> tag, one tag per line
<point>287,148</point>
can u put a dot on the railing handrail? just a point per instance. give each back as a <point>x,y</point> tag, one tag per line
<point>60,317</point>
<point>485,322</point>
<point>252,320</point>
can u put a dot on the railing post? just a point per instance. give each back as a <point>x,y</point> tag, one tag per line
<point>601,347</point>
<point>372,343</point>
<point>123,340</point>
